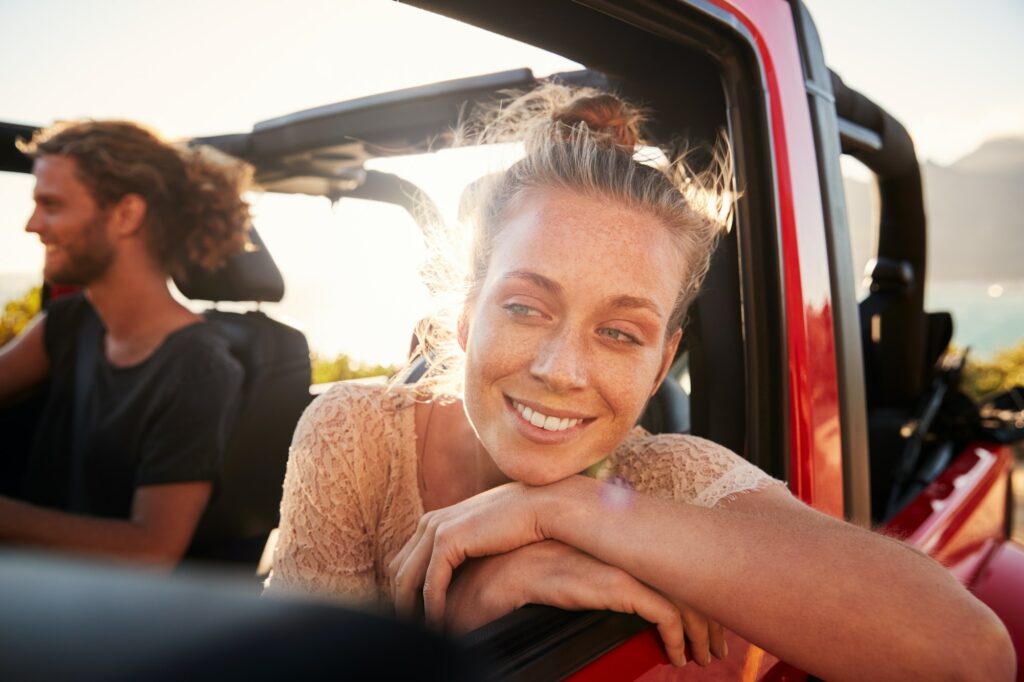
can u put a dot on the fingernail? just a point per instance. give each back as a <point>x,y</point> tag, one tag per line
<point>725,649</point>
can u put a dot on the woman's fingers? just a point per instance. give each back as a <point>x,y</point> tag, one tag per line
<point>601,586</point>
<point>546,572</point>
<point>410,567</point>
<point>654,608</point>
<point>663,613</point>
<point>425,565</point>
<point>697,632</point>
<point>494,522</point>
<point>442,561</point>
<point>485,589</point>
<point>718,646</point>
<point>399,559</point>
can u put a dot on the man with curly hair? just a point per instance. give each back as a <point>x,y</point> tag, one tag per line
<point>142,392</point>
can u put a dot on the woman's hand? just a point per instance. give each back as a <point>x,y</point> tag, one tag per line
<point>494,522</point>
<point>707,637</point>
<point>555,574</point>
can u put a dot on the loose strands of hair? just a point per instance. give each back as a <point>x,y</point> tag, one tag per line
<point>578,139</point>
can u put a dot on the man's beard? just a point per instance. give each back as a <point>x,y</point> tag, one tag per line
<point>88,258</point>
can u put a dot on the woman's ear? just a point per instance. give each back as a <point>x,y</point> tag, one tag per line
<point>667,357</point>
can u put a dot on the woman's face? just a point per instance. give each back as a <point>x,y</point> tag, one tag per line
<point>565,340</point>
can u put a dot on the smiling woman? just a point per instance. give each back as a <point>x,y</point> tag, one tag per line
<point>465,507</point>
<point>587,340</point>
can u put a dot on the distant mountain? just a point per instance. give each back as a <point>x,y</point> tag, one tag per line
<point>993,157</point>
<point>975,212</point>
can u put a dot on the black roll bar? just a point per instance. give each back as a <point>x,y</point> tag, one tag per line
<point>880,142</point>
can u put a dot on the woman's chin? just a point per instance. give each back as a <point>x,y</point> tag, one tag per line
<point>531,474</point>
<point>537,480</point>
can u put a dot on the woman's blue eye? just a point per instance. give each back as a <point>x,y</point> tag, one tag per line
<point>619,335</point>
<point>520,310</point>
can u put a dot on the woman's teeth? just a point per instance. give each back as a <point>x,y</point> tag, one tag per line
<point>543,421</point>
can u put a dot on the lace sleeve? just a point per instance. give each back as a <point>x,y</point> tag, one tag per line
<point>325,542</point>
<point>686,468</point>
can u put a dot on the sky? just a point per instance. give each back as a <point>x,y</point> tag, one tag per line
<point>946,69</point>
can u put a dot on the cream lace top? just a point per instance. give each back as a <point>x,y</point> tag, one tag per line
<point>351,493</point>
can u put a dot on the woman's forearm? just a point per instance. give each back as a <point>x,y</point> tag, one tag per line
<point>839,601</point>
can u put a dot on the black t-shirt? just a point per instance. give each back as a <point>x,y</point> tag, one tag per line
<point>164,420</point>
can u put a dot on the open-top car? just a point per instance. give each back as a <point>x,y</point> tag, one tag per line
<point>855,404</point>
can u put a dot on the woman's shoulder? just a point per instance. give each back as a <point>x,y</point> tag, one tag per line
<point>646,457</point>
<point>352,420</point>
<point>684,467</point>
<point>351,402</point>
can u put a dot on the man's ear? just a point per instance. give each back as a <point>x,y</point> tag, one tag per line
<point>128,215</point>
<point>668,355</point>
<point>463,330</point>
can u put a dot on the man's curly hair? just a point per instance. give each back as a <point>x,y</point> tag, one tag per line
<point>195,213</point>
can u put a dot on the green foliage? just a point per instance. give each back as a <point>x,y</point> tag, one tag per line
<point>1003,371</point>
<point>342,368</point>
<point>18,312</point>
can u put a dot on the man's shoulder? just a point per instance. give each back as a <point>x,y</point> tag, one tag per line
<point>199,353</point>
<point>65,317</point>
<point>67,312</point>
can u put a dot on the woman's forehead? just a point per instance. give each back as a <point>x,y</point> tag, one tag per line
<point>588,241</point>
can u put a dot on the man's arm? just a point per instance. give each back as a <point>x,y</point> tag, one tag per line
<point>23,361</point>
<point>163,520</point>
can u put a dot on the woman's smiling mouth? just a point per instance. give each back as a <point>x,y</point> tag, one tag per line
<point>542,420</point>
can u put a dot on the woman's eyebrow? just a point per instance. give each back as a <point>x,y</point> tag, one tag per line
<point>635,302</point>
<point>623,301</point>
<point>535,278</point>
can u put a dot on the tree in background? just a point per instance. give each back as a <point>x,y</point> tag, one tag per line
<point>341,368</point>
<point>18,312</point>
<point>1004,370</point>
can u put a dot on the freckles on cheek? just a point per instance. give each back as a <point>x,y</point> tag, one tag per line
<point>495,343</point>
<point>629,385</point>
<point>631,378</point>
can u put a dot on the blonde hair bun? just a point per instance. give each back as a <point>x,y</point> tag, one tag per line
<point>606,116</point>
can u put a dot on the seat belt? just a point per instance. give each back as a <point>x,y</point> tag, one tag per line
<point>85,366</point>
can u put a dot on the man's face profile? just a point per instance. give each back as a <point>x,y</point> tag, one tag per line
<point>69,223</point>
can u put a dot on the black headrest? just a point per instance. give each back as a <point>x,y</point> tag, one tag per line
<point>248,276</point>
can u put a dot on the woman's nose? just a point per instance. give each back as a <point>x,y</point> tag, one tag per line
<point>561,363</point>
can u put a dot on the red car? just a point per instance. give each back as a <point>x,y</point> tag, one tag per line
<point>854,403</point>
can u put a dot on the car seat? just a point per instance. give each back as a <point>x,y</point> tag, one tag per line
<point>275,391</point>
